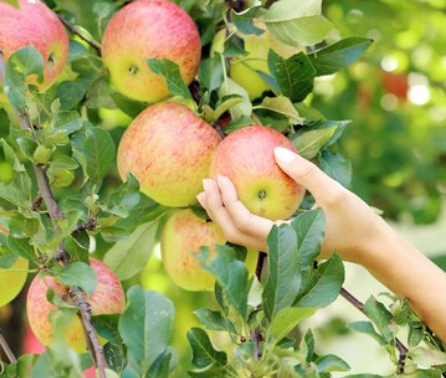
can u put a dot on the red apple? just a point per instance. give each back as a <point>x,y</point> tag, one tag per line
<point>107,298</point>
<point>246,157</point>
<point>168,148</point>
<point>147,29</point>
<point>34,24</point>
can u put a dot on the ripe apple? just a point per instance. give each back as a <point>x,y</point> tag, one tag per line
<point>168,148</point>
<point>244,69</point>
<point>34,24</point>
<point>182,236</point>
<point>108,298</point>
<point>147,29</point>
<point>246,157</point>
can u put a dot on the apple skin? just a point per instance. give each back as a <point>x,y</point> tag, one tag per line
<point>11,283</point>
<point>35,24</point>
<point>147,29</point>
<point>168,148</point>
<point>108,298</point>
<point>246,157</point>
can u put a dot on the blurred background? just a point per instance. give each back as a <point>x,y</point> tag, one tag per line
<point>395,97</point>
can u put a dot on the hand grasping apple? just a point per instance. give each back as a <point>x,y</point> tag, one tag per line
<point>352,229</point>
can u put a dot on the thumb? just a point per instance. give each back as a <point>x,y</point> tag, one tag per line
<point>305,173</point>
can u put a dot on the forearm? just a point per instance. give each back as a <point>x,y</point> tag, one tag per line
<point>410,274</point>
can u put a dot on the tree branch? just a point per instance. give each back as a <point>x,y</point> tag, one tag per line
<point>73,29</point>
<point>76,294</point>
<point>5,346</point>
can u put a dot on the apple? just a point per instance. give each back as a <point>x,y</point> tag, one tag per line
<point>244,69</point>
<point>168,148</point>
<point>246,157</point>
<point>107,298</point>
<point>35,24</point>
<point>147,29</point>
<point>182,236</point>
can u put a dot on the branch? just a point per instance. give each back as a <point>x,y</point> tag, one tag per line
<point>73,29</point>
<point>56,214</point>
<point>257,338</point>
<point>4,345</point>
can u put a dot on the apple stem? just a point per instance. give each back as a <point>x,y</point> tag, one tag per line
<point>4,345</point>
<point>61,255</point>
<point>73,29</point>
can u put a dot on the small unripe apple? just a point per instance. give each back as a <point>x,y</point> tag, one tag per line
<point>107,298</point>
<point>168,148</point>
<point>246,157</point>
<point>34,24</point>
<point>147,29</point>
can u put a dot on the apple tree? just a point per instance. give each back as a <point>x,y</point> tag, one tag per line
<point>202,88</point>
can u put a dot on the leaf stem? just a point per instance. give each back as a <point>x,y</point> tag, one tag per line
<point>4,345</point>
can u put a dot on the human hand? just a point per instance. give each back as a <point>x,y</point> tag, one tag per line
<point>352,228</point>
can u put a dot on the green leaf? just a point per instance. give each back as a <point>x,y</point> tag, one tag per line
<point>72,92</point>
<point>284,280</point>
<point>21,367</point>
<point>171,75</point>
<point>211,72</point>
<point>77,274</point>
<point>4,124</point>
<point>161,367</point>
<point>297,23</point>
<point>367,328</point>
<point>214,320</point>
<point>416,333</point>
<point>330,363</point>
<point>330,277</point>
<point>230,87</point>
<point>381,317</point>
<point>339,55</point>
<point>77,51</point>
<point>11,157</point>
<point>23,227</point>
<point>243,21</point>
<point>128,257</point>
<point>309,142</point>
<point>19,191</point>
<point>204,354</point>
<point>231,274</point>
<point>23,63</point>
<point>129,107</point>
<point>295,75</point>
<point>146,326</point>
<point>125,198</point>
<point>286,319</point>
<point>425,357</point>
<point>282,105</point>
<point>94,149</point>
<point>226,103</point>
<point>21,247</point>
<point>107,327</point>
<point>336,166</point>
<point>61,171</point>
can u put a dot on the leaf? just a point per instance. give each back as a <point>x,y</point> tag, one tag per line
<point>309,228</point>
<point>243,21</point>
<point>297,23</point>
<point>94,149</point>
<point>171,75</point>
<point>125,198</point>
<point>284,280</point>
<point>146,326</point>
<point>337,167</point>
<point>226,103</point>
<point>77,274</point>
<point>211,72</point>
<point>286,319</point>
<point>77,51</point>
<point>204,355</point>
<point>18,191</point>
<point>72,92</point>
<point>295,75</point>
<point>416,333</point>
<point>367,328</point>
<point>282,105</point>
<point>214,320</point>
<point>339,55</point>
<point>231,274</point>
<point>331,363</point>
<point>4,124</point>
<point>309,142</point>
<point>381,317</point>
<point>230,87</point>
<point>128,106</point>
<point>128,257</point>
<point>330,277</point>
<point>21,247</point>
<point>23,63</point>
<point>107,327</point>
<point>161,367</point>
<point>11,157</point>
<point>426,358</point>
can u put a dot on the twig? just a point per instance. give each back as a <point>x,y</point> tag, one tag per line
<point>360,306</point>
<point>237,5</point>
<point>4,345</point>
<point>256,338</point>
<point>269,3</point>
<point>219,129</point>
<point>75,31</point>
<point>76,294</point>
<point>259,267</point>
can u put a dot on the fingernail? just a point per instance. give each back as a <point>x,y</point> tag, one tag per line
<point>283,155</point>
<point>220,180</point>
<point>206,184</point>
<point>201,197</point>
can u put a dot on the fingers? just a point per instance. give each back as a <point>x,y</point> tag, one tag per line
<point>305,173</point>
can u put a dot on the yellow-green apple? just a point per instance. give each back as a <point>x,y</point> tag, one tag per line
<point>12,279</point>
<point>147,29</point>
<point>168,148</point>
<point>244,69</point>
<point>246,157</point>
<point>34,24</point>
<point>107,298</point>
<point>182,236</point>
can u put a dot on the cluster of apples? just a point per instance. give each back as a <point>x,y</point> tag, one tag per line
<point>170,149</point>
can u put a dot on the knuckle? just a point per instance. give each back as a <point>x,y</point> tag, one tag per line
<point>337,197</point>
